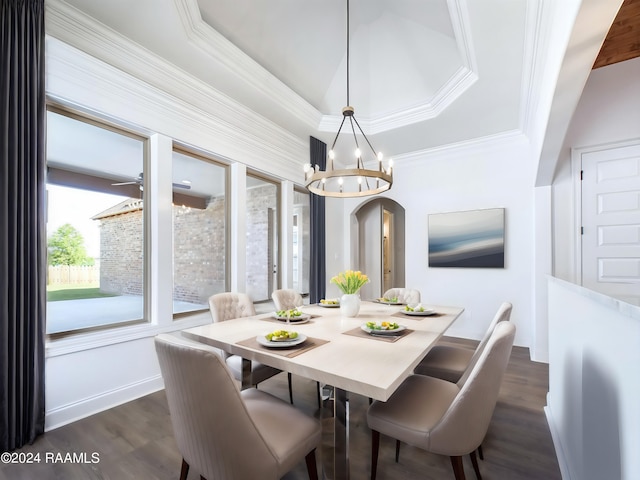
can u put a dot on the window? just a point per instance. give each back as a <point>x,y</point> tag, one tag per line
<point>301,241</point>
<point>95,224</point>
<point>262,238</point>
<point>199,231</point>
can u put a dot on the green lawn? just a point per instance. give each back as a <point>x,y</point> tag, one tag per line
<point>56,293</point>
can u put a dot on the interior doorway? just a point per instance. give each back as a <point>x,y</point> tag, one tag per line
<point>387,249</point>
<point>609,219</point>
<point>379,246</point>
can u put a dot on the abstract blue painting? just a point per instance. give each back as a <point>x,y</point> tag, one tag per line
<point>471,239</point>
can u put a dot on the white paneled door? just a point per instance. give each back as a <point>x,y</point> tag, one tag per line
<point>611,221</point>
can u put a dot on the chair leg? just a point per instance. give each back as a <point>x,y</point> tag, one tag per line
<point>184,470</point>
<point>474,462</point>
<point>458,469</point>
<point>312,469</point>
<point>319,395</point>
<point>480,452</point>
<point>397,451</point>
<point>290,388</point>
<point>375,447</point>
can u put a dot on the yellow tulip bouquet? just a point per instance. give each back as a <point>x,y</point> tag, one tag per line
<point>350,282</point>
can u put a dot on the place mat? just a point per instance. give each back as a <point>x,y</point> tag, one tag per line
<point>309,344</point>
<point>417,317</point>
<point>273,319</point>
<point>358,332</point>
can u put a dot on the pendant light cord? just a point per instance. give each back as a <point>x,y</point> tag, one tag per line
<point>348,53</point>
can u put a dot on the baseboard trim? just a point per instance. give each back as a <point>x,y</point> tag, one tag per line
<point>73,412</point>
<point>565,471</point>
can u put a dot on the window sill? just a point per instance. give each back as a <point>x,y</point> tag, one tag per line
<point>80,341</point>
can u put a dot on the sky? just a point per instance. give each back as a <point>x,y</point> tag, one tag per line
<point>76,207</point>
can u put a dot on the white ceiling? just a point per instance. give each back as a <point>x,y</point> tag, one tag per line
<point>424,73</point>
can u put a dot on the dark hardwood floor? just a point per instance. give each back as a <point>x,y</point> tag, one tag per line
<point>134,441</point>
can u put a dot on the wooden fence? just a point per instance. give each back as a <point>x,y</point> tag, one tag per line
<point>73,274</point>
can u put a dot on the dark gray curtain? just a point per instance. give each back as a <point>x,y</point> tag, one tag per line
<point>317,282</point>
<point>22,227</point>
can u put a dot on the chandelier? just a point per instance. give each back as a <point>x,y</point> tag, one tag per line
<point>349,182</point>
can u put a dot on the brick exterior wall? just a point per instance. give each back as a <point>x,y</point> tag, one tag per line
<point>259,265</point>
<point>199,252</point>
<point>199,249</point>
<point>121,247</point>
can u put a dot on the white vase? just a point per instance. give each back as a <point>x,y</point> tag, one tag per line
<point>350,304</point>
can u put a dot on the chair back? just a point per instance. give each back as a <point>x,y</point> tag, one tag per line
<point>212,426</point>
<point>286,299</point>
<point>226,306</point>
<point>502,315</point>
<point>464,425</point>
<point>405,295</point>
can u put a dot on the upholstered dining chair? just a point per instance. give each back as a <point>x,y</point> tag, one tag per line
<point>404,295</point>
<point>225,433</point>
<point>450,362</point>
<point>286,299</point>
<point>227,306</point>
<point>443,417</point>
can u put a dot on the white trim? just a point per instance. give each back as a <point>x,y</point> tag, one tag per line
<point>66,414</point>
<point>79,341</point>
<point>208,40</point>
<point>475,146</point>
<point>576,168</point>
<point>82,51</point>
<point>557,444</point>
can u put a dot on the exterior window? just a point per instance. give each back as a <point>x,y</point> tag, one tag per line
<point>95,225</point>
<point>199,232</point>
<point>262,238</point>
<point>301,241</point>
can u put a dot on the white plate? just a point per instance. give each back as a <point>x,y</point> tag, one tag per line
<point>328,305</point>
<point>427,311</point>
<point>386,302</point>
<point>262,340</point>
<point>304,318</point>
<point>382,332</point>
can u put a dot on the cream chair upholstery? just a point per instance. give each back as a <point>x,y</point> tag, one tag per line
<point>404,295</point>
<point>450,362</point>
<point>443,417</point>
<point>227,306</point>
<point>286,299</point>
<point>224,433</point>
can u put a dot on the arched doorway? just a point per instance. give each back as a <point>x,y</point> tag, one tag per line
<point>379,245</point>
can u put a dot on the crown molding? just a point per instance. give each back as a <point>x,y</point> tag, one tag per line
<point>473,147</point>
<point>108,70</point>
<point>536,36</point>
<point>208,40</point>
<point>457,84</point>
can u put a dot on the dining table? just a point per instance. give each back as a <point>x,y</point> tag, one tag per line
<point>333,349</point>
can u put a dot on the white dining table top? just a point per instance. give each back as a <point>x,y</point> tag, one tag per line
<point>366,366</point>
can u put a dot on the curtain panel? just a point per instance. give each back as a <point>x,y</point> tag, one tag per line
<point>317,280</point>
<point>22,222</point>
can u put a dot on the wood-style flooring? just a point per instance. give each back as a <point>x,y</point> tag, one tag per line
<point>134,441</point>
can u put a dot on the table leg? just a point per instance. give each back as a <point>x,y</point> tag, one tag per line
<point>246,373</point>
<point>340,435</point>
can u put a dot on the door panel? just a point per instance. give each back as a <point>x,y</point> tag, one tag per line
<point>611,222</point>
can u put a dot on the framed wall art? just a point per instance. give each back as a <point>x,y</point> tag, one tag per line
<point>469,239</point>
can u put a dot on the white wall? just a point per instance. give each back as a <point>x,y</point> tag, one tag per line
<point>89,372</point>
<point>594,386</point>
<point>609,111</point>
<point>488,175</point>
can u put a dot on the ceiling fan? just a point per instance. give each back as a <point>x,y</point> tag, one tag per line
<point>139,180</point>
